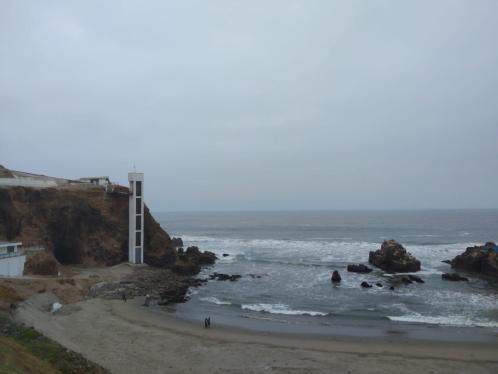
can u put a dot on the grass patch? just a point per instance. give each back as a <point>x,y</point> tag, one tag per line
<point>43,349</point>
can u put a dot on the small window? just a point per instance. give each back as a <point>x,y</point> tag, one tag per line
<point>138,238</point>
<point>138,223</point>
<point>139,188</point>
<point>11,249</point>
<point>138,206</point>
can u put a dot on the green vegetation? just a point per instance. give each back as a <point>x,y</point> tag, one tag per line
<point>24,350</point>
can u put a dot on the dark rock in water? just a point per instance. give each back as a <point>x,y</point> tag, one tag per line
<point>177,242</point>
<point>254,276</point>
<point>336,277</point>
<point>225,255</point>
<point>225,277</point>
<point>359,268</point>
<point>478,259</point>
<point>366,285</point>
<point>406,280</point>
<point>416,278</point>
<point>446,262</point>
<point>379,284</point>
<point>391,288</point>
<point>393,257</point>
<point>194,255</point>
<point>454,277</point>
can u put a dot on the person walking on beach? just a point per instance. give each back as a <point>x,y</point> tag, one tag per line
<point>209,322</point>
<point>124,297</point>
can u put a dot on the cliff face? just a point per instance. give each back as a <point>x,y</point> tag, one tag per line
<point>79,225</point>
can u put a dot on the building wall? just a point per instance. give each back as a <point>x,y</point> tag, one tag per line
<point>12,266</point>
<point>26,182</point>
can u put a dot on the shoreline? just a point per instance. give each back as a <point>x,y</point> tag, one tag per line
<point>126,337</point>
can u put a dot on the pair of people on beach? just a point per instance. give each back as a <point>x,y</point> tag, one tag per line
<point>207,322</point>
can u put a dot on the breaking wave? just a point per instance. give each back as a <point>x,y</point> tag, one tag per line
<point>280,309</point>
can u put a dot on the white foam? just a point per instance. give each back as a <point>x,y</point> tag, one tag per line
<point>280,309</point>
<point>214,300</point>
<point>454,320</point>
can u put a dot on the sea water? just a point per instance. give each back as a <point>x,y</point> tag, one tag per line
<point>286,260</point>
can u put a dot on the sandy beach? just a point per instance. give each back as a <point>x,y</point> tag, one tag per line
<point>129,338</point>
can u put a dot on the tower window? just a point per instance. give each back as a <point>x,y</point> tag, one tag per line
<point>138,238</point>
<point>138,223</point>
<point>139,188</point>
<point>138,209</point>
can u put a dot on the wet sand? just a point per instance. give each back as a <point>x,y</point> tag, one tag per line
<point>130,338</point>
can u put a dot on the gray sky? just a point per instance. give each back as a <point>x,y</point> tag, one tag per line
<point>258,104</point>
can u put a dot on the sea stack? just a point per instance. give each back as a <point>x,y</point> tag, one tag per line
<point>393,257</point>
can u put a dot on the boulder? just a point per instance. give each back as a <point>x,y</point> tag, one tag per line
<point>454,277</point>
<point>336,277</point>
<point>359,268</point>
<point>225,255</point>
<point>393,257</point>
<point>366,285</point>
<point>193,254</point>
<point>177,242</point>
<point>225,277</point>
<point>446,262</point>
<point>406,280</point>
<point>379,284</point>
<point>416,278</point>
<point>479,259</point>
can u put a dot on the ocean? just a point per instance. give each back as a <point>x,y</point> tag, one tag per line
<point>286,260</point>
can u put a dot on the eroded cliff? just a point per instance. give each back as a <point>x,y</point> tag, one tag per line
<point>79,225</point>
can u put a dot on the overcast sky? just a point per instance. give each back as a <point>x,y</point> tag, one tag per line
<point>228,105</point>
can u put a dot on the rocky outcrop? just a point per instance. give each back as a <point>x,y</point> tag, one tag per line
<point>79,225</point>
<point>177,242</point>
<point>393,257</point>
<point>454,277</point>
<point>225,277</point>
<point>479,259</point>
<point>359,268</point>
<point>336,277</point>
<point>42,263</point>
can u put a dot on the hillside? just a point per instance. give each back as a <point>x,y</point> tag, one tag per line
<point>79,225</point>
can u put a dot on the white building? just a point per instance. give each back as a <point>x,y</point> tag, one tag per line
<point>136,218</point>
<point>11,260</point>
<point>98,181</point>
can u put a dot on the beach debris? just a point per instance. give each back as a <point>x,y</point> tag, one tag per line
<point>478,259</point>
<point>359,268</point>
<point>55,307</point>
<point>336,277</point>
<point>225,277</point>
<point>393,257</point>
<point>366,285</point>
<point>454,277</point>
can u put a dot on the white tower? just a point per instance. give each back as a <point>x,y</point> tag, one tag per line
<point>136,221</point>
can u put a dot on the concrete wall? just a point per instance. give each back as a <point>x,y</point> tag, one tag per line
<point>26,182</point>
<point>12,266</point>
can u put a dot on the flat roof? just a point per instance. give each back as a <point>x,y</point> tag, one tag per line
<point>5,244</point>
